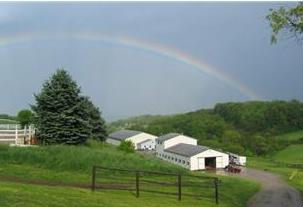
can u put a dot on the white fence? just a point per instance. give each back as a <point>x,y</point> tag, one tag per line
<point>13,134</point>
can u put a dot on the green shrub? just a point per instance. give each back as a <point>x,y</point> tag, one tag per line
<point>127,146</point>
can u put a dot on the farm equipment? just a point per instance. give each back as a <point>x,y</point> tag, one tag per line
<point>233,169</point>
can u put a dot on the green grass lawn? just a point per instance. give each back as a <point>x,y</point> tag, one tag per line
<point>292,136</point>
<point>72,164</point>
<point>7,121</point>
<point>291,154</point>
<point>30,195</point>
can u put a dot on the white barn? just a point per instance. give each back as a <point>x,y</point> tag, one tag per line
<point>141,140</point>
<point>184,151</point>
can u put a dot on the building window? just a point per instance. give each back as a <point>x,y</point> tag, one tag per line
<point>183,162</point>
<point>187,163</point>
<point>179,161</point>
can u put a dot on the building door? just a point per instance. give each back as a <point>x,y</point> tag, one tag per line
<point>201,163</point>
<point>210,162</point>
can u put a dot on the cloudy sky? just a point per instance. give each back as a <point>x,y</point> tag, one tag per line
<point>147,58</point>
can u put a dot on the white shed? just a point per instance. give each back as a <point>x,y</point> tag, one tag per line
<point>140,139</point>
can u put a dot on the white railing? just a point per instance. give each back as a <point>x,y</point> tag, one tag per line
<point>10,126</point>
<point>16,136</point>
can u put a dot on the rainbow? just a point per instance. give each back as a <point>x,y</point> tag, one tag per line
<point>123,41</point>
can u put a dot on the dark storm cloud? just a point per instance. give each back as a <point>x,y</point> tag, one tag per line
<point>233,37</point>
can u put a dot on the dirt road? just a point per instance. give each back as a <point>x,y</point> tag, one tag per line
<point>274,193</point>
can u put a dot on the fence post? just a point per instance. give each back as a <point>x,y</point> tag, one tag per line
<point>137,184</point>
<point>179,187</point>
<point>94,178</point>
<point>216,182</point>
<point>24,134</point>
<point>16,135</point>
<point>29,134</point>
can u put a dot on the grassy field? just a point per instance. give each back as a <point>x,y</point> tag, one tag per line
<point>72,164</point>
<point>293,176</point>
<point>293,136</point>
<point>291,154</point>
<point>7,121</point>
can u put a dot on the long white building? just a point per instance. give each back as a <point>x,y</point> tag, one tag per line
<point>184,151</point>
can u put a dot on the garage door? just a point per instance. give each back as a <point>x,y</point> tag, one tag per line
<point>219,162</point>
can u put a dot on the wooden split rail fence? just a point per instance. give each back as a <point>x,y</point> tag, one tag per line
<point>155,182</point>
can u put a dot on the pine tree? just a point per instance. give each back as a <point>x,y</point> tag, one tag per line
<point>60,114</point>
<point>96,122</point>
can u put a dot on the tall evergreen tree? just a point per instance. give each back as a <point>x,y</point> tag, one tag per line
<point>97,123</point>
<point>60,115</point>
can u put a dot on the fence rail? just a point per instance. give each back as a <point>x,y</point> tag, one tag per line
<point>154,182</point>
<point>15,135</point>
<point>286,164</point>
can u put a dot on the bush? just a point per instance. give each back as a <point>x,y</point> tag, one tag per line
<point>25,117</point>
<point>127,146</point>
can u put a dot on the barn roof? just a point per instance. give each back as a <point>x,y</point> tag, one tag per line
<point>123,134</point>
<point>167,136</point>
<point>186,150</point>
<point>146,140</point>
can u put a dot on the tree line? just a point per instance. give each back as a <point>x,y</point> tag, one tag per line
<point>246,128</point>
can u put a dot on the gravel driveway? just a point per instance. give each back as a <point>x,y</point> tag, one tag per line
<point>274,192</point>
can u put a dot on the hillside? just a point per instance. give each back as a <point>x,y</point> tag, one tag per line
<point>290,154</point>
<point>250,128</point>
<point>7,121</point>
<point>72,164</point>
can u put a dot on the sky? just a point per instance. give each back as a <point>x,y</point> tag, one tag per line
<point>147,58</point>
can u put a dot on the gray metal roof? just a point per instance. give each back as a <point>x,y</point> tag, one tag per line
<point>186,150</point>
<point>144,141</point>
<point>123,134</point>
<point>167,136</point>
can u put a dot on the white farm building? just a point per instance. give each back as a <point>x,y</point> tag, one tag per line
<point>184,151</point>
<point>141,140</point>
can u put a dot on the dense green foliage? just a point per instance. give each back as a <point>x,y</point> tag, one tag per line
<point>25,117</point>
<point>50,163</point>
<point>96,122</point>
<point>287,19</point>
<point>273,117</point>
<point>249,127</point>
<point>127,146</point>
<point>63,115</point>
